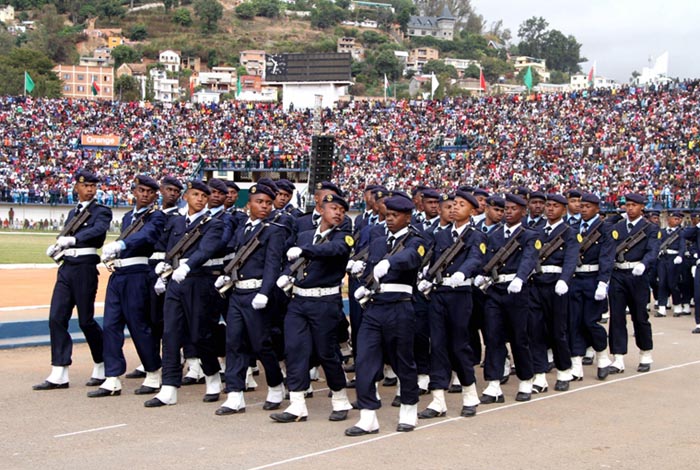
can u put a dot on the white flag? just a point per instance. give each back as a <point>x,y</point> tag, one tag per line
<point>434,82</point>
<point>386,83</point>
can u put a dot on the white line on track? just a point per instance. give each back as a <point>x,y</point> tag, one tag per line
<point>36,307</point>
<point>104,428</point>
<point>491,410</point>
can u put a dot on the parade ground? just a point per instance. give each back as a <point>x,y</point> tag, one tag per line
<point>630,421</point>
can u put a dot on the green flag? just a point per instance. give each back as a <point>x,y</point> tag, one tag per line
<point>239,88</point>
<point>527,79</point>
<point>28,83</point>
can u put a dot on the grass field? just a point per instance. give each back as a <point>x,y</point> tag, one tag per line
<point>28,247</point>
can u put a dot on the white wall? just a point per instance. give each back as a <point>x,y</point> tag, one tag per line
<point>303,96</point>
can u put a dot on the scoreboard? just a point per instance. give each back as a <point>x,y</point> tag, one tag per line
<point>320,67</point>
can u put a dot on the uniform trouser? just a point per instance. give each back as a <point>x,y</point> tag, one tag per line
<point>584,314</point>
<point>310,329</point>
<point>355,313</point>
<point>669,280</point>
<point>127,303</point>
<point>696,293</point>
<point>548,324</point>
<point>653,276</point>
<point>387,329</point>
<point>686,284</point>
<point>506,318</point>
<point>248,336</point>
<point>450,313</point>
<point>280,301</point>
<point>186,317</point>
<point>76,286</point>
<point>421,342</point>
<point>476,323</point>
<point>218,308</point>
<point>156,307</point>
<point>627,290</point>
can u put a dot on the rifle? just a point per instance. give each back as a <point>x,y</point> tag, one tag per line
<point>70,229</point>
<point>548,249</point>
<point>296,269</point>
<point>499,260</point>
<point>664,246</point>
<point>133,228</point>
<point>173,256</point>
<point>629,243</point>
<point>371,284</point>
<point>434,274</point>
<point>587,242</point>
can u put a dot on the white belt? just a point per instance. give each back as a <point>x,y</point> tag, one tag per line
<point>229,256</point>
<point>402,288</point>
<point>587,268</point>
<point>249,284</point>
<point>158,255</point>
<point>79,251</point>
<point>466,282</point>
<point>670,252</point>
<point>627,264</point>
<point>215,262</point>
<point>504,278</point>
<point>123,263</point>
<point>550,269</point>
<point>316,291</point>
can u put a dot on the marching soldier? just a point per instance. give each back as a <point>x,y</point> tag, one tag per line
<point>668,266</point>
<point>285,191</point>
<point>535,210</point>
<point>310,221</point>
<point>314,278</point>
<point>387,323</point>
<point>127,301</point>
<point>84,232</point>
<point>636,250</point>
<point>444,222</point>
<point>692,236</point>
<point>589,288</point>
<point>511,257</point>
<point>431,208</point>
<point>481,195</point>
<point>573,208</point>
<point>192,241</point>
<point>458,256</point>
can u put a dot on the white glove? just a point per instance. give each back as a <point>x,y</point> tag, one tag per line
<point>381,269</point>
<point>479,280</point>
<point>160,286</point>
<point>161,267</point>
<point>424,286</point>
<point>638,270</point>
<point>221,280</point>
<point>65,242</point>
<point>51,250</point>
<point>601,291</point>
<point>293,253</point>
<point>360,292</point>
<point>180,273</point>
<point>561,288</point>
<point>515,286</point>
<point>259,302</point>
<point>284,281</point>
<point>112,249</point>
<point>348,267</point>
<point>425,270</point>
<point>677,260</point>
<point>456,279</point>
<point>358,267</point>
<point>692,270</point>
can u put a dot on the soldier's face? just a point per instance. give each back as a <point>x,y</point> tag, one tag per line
<point>86,191</point>
<point>231,198</point>
<point>634,210</point>
<point>461,210</point>
<point>431,207</point>
<point>494,213</point>
<point>144,196</point>
<point>574,205</point>
<point>332,213</point>
<point>282,199</point>
<point>536,207</point>
<point>554,210</point>
<point>482,205</point>
<point>170,195</point>
<point>217,198</point>
<point>446,211</point>
<point>513,213</point>
<point>588,210</point>
<point>395,220</point>
<point>674,221</point>
<point>260,206</point>
<point>196,200</point>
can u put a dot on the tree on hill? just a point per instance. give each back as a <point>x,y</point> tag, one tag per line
<point>246,11</point>
<point>124,55</point>
<point>438,67</point>
<point>37,65</point>
<point>182,17</point>
<point>561,52</point>
<point>326,14</point>
<point>209,12</point>
<point>127,88</point>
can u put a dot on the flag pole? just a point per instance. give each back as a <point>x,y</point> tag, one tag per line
<point>24,93</point>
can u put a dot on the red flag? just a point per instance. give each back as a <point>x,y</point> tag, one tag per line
<point>591,77</point>
<point>191,87</point>
<point>482,81</point>
<point>95,88</point>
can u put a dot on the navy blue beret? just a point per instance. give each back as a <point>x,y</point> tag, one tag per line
<point>654,212</point>
<point>380,192</point>
<point>262,189</point>
<point>218,184</point>
<point>573,193</point>
<point>447,197</point>
<point>480,192</point>
<point>466,188</point>
<point>172,181</point>
<point>538,195</point>
<point>399,194</point>
<point>370,187</point>
<point>419,189</point>
<point>468,196</point>
<point>147,181</point>
<point>521,191</point>
<point>589,197</point>
<point>557,198</point>
<point>199,185</point>
<point>430,193</point>
<point>516,199</point>
<point>676,213</point>
<point>633,197</point>
<point>329,186</point>
<point>332,197</point>
<point>84,176</point>
<point>399,204</point>
<point>232,185</point>
<point>496,201</point>
<point>286,186</point>
<point>269,183</point>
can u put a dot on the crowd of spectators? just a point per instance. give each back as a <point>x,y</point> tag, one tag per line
<point>607,142</point>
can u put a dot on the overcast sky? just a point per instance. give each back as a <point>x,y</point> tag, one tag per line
<point>620,35</point>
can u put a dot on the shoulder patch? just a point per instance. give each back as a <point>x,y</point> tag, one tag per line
<point>659,235</point>
<point>579,237</point>
<point>349,240</point>
<point>482,247</point>
<point>421,250</point>
<point>615,235</point>
<point>538,245</point>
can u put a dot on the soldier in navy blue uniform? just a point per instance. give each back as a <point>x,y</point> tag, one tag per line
<point>479,214</point>
<point>417,215</point>
<point>654,216</point>
<point>127,301</point>
<point>549,298</point>
<point>170,192</point>
<point>311,220</point>
<point>629,285</point>
<point>388,322</point>
<point>686,272</point>
<point>589,289</point>
<point>535,210</point>
<point>450,310</point>
<point>250,312</point>
<point>315,309</point>
<point>507,305</point>
<point>285,191</point>
<point>76,286</point>
<point>573,211</point>
<point>368,216</point>
<point>185,308</point>
<point>431,208</point>
<point>444,221</point>
<point>239,215</point>
<point>692,236</point>
<point>668,266</point>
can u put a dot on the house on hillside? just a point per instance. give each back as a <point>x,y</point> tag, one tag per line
<point>86,82</point>
<point>440,27</point>
<point>170,59</point>
<point>253,61</point>
<point>165,90</point>
<point>7,14</point>
<point>419,56</point>
<point>352,47</point>
<point>538,65</point>
<point>461,64</point>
